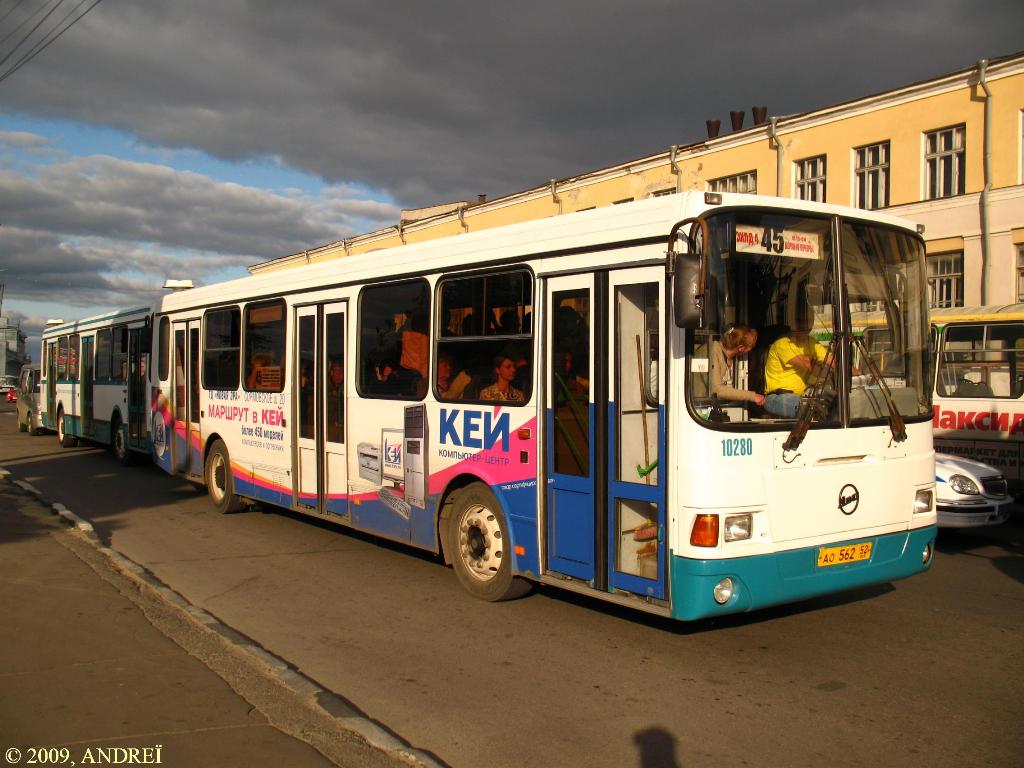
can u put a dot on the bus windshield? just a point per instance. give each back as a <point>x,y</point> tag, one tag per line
<point>771,351</point>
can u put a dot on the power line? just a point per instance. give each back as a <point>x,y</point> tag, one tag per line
<point>45,43</point>
<point>24,21</point>
<point>31,31</point>
<point>12,10</point>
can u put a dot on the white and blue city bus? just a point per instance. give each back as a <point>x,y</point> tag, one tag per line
<point>533,402</point>
<point>94,381</point>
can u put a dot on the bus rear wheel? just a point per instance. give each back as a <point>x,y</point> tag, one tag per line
<point>480,548</point>
<point>220,482</point>
<point>65,440</point>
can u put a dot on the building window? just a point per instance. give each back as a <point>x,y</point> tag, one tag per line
<point>741,182</point>
<point>946,280</point>
<point>1020,273</point>
<point>872,173</point>
<point>810,179</point>
<point>944,158</point>
<point>623,200</point>
<point>663,192</point>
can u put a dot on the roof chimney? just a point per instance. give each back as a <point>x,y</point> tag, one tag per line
<point>481,199</point>
<point>737,119</point>
<point>760,115</point>
<point>713,127</point>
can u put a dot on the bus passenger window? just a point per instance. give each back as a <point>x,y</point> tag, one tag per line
<point>264,347</point>
<point>73,346</point>
<point>221,348</point>
<point>485,344</point>
<point>103,354</point>
<point>62,357</point>
<point>119,355</point>
<point>393,340</point>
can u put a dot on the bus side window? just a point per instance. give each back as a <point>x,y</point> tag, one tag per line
<point>393,340</point>
<point>485,339</point>
<point>103,348</point>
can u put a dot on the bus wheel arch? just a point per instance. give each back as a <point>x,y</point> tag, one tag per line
<point>478,543</point>
<point>220,480</point>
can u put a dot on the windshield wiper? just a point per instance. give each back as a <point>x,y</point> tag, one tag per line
<point>896,423</point>
<point>816,399</point>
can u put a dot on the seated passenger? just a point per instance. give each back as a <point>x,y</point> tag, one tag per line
<point>449,387</point>
<point>502,389</point>
<point>737,340</point>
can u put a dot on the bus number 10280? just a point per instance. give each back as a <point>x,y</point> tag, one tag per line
<point>737,446</point>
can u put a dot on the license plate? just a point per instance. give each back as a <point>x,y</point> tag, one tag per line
<point>851,553</point>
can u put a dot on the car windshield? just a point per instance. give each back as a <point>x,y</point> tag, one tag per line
<point>770,353</point>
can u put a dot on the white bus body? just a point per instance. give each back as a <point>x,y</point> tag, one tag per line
<point>521,400</point>
<point>979,386</point>
<point>94,381</point>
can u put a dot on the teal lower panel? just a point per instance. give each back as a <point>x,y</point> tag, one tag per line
<point>786,577</point>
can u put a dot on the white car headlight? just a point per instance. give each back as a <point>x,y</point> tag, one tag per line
<point>963,485</point>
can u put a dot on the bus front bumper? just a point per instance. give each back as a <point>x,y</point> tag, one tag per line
<point>784,577</point>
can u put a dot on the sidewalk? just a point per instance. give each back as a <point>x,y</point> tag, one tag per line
<point>84,666</point>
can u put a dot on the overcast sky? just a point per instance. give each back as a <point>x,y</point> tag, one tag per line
<point>190,138</point>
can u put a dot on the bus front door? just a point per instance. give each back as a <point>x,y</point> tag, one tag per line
<point>86,391</point>
<point>321,479</point>
<point>605,426</point>
<point>635,447</point>
<point>573,429</point>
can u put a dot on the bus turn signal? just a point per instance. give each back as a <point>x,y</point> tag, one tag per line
<point>705,531</point>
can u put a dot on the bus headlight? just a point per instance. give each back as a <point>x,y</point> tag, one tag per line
<point>923,502</point>
<point>738,527</point>
<point>963,485</point>
<point>723,591</point>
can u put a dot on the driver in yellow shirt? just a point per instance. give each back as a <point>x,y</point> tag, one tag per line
<point>789,370</point>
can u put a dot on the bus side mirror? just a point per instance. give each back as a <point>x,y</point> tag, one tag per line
<point>687,292</point>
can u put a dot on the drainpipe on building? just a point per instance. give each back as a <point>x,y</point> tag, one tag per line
<point>773,137</point>
<point>986,243</point>
<point>554,195</point>
<point>400,227</point>
<point>675,166</point>
<point>462,218</point>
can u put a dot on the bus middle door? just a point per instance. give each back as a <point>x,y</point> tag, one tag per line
<point>321,479</point>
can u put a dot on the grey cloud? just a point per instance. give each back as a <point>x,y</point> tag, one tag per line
<point>442,101</point>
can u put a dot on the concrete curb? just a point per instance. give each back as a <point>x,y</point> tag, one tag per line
<point>327,703</point>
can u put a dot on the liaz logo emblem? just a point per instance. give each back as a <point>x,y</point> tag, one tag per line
<point>849,498</point>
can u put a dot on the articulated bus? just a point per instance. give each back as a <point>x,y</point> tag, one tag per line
<point>93,383</point>
<point>533,402</point>
<point>979,385</point>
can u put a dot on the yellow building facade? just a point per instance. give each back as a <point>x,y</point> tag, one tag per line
<point>947,153</point>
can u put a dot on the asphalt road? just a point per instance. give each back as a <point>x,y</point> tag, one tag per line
<point>926,671</point>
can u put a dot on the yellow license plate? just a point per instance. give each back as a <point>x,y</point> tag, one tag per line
<point>851,553</point>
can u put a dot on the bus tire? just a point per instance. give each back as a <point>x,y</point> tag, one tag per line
<point>480,548</point>
<point>23,425</point>
<point>119,443</point>
<point>65,440</point>
<point>220,482</point>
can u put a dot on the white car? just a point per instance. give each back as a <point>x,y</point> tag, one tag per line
<point>969,493</point>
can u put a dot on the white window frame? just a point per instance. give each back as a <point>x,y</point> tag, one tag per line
<point>937,157</point>
<point>809,176</point>
<point>945,281</point>
<point>1019,247</point>
<point>877,172</point>
<point>745,182</point>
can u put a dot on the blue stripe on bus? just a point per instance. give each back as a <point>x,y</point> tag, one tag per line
<point>784,577</point>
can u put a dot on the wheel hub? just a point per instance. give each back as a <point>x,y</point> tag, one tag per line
<point>480,544</point>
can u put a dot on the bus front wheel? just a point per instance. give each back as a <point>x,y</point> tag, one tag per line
<point>480,548</point>
<point>65,440</point>
<point>220,482</point>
